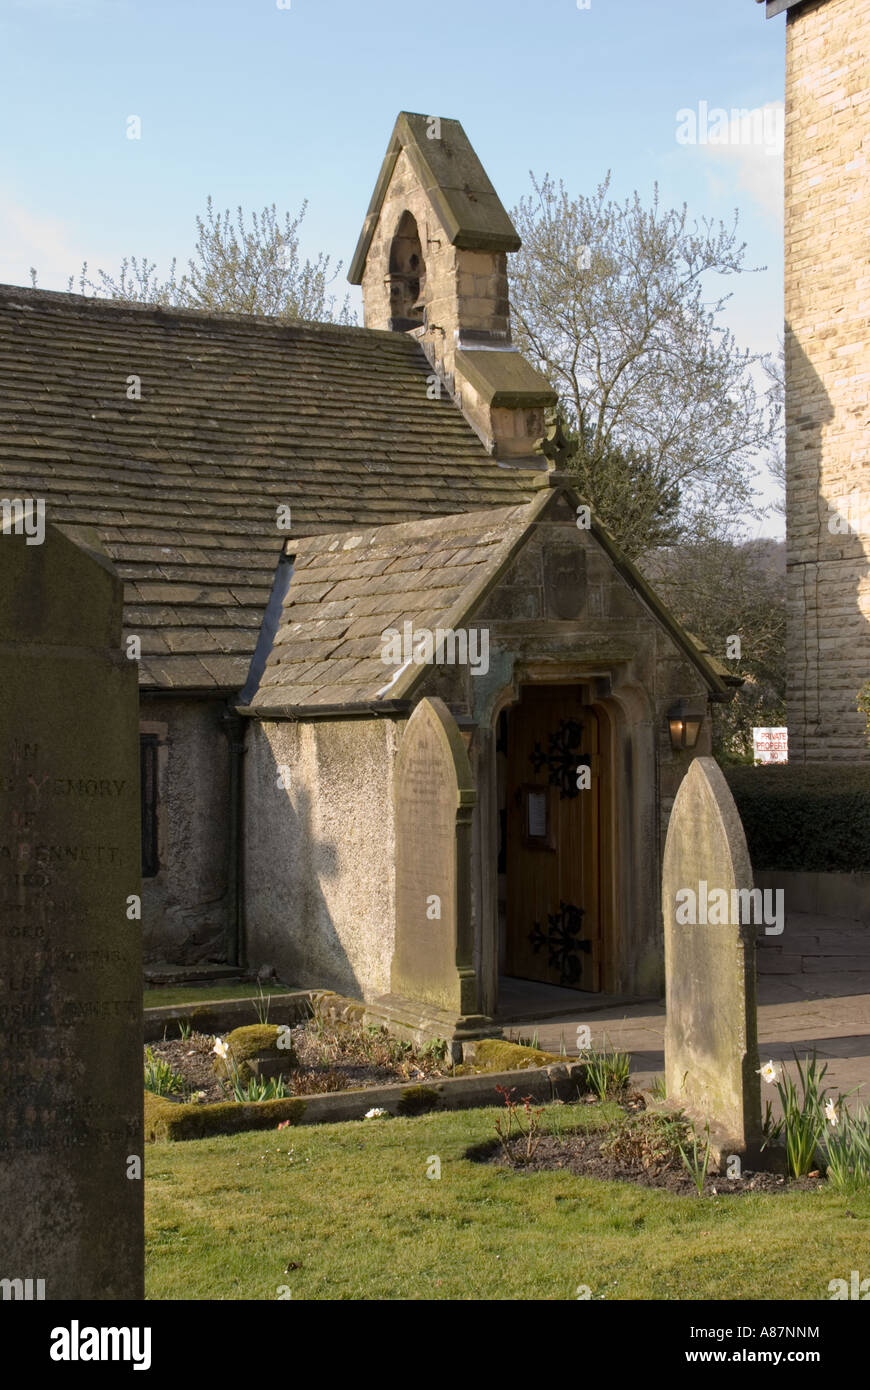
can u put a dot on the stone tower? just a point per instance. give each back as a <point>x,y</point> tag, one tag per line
<point>432,262</point>
<point>827,310</point>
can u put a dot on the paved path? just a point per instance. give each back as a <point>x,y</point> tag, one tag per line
<point>813,992</point>
<point>838,1028</point>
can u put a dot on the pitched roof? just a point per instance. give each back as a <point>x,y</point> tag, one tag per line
<point>775,7</point>
<point>465,201</point>
<point>237,416</point>
<point>347,590</point>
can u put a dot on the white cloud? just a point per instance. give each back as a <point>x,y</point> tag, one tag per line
<point>30,239</point>
<point>756,165</point>
<point>742,150</point>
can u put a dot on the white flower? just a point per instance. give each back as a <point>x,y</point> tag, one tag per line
<point>220,1048</point>
<point>200,1095</point>
<point>831,1113</point>
<point>768,1071</point>
<point>374,1113</point>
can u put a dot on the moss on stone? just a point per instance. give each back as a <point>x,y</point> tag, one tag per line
<point>254,1040</point>
<point>416,1100</point>
<point>157,1110</point>
<point>167,1121</point>
<point>495,1054</point>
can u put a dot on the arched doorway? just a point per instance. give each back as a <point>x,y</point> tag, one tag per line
<point>557,838</point>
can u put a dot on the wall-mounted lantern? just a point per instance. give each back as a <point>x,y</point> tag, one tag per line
<point>684,722</point>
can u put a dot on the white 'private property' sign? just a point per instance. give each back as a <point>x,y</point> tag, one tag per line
<point>770,745</point>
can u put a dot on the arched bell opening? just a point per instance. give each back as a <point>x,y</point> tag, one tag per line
<point>406,279</point>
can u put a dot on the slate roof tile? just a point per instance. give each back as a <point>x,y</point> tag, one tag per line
<point>354,671</point>
<point>179,640</point>
<point>237,415</point>
<point>448,585</point>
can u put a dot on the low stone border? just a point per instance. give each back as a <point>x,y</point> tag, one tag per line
<point>222,1015</point>
<point>166,1119</point>
<point>824,895</point>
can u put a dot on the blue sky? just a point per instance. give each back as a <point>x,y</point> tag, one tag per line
<point>258,104</point>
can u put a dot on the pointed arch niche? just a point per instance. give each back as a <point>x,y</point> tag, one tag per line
<point>406,278</point>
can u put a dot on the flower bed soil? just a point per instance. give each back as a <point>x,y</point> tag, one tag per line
<point>581,1154</point>
<point>343,1058</point>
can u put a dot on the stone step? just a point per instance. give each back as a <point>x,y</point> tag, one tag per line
<point>824,964</point>
<point>838,941</point>
<point>159,973</point>
<point>814,922</point>
<point>778,963</point>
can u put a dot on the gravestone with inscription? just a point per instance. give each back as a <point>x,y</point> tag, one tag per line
<point>71,1190</point>
<point>711,1037</point>
<point>434,797</point>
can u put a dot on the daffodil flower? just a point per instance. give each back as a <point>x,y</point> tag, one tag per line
<point>374,1113</point>
<point>768,1071</point>
<point>831,1113</point>
<point>220,1048</point>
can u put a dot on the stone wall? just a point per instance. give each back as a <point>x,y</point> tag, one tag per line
<point>319,852</point>
<point>827,293</point>
<point>843,896</point>
<point>186,911</point>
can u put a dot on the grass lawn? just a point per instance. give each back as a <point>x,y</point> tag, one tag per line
<point>353,1210</point>
<point>168,996</point>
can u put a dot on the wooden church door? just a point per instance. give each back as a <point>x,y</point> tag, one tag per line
<point>554,839</point>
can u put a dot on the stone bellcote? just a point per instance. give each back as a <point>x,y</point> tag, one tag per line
<point>432,261</point>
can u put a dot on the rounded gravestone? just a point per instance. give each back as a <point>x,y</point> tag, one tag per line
<point>708,905</point>
<point>434,797</point>
<point>71,1203</point>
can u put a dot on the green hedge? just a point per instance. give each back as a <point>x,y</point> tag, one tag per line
<point>805,816</point>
